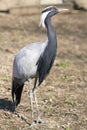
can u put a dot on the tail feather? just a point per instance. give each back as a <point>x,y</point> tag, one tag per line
<point>17,88</point>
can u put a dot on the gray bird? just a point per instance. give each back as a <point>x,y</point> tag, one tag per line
<point>35,61</point>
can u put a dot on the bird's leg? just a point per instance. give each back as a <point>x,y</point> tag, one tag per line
<point>34,92</point>
<point>31,104</point>
<point>39,119</point>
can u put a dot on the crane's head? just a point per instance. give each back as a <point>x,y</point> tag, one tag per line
<point>49,12</point>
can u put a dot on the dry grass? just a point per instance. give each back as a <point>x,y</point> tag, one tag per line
<point>63,96</point>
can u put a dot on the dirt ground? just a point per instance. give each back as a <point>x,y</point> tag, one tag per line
<point>62,98</point>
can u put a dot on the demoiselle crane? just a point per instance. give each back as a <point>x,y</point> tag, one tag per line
<point>35,61</point>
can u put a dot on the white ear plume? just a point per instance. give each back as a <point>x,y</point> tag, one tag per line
<point>43,17</point>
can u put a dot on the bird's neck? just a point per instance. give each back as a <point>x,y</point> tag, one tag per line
<point>50,31</point>
<point>47,59</point>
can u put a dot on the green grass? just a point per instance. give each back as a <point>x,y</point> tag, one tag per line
<point>48,108</point>
<point>5,78</point>
<point>65,77</point>
<point>63,64</point>
<point>70,102</point>
<point>67,128</point>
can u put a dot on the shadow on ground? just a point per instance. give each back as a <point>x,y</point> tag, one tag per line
<point>7,105</point>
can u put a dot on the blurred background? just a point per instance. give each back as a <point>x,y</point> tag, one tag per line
<point>63,96</point>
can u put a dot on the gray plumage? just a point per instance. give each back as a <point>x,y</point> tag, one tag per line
<point>35,60</point>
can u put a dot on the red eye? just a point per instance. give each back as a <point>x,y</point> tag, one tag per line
<point>52,9</point>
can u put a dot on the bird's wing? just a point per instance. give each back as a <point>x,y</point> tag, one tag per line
<point>26,59</point>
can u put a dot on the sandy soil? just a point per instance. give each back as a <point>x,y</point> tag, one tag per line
<point>63,95</point>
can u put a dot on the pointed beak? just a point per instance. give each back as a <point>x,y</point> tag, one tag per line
<point>63,10</point>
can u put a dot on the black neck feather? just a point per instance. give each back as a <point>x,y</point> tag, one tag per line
<point>46,60</point>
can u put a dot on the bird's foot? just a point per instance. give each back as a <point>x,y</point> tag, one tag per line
<point>39,120</point>
<point>33,124</point>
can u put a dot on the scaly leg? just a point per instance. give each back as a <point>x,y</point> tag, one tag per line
<point>34,92</point>
<point>38,114</point>
<point>31,103</point>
